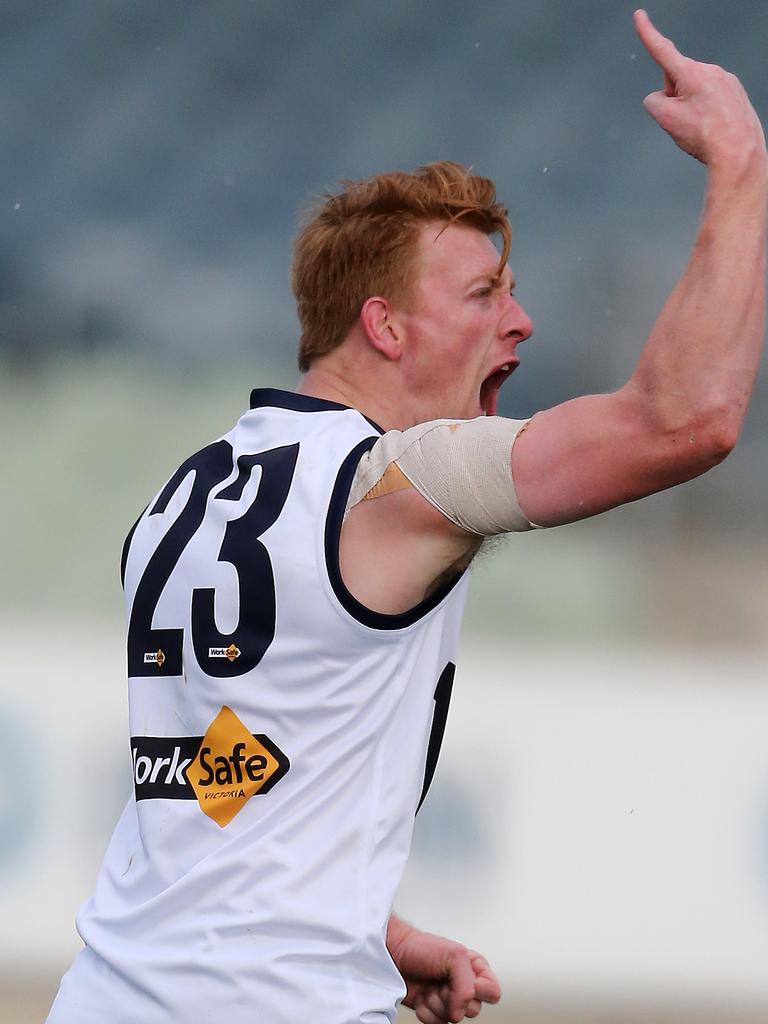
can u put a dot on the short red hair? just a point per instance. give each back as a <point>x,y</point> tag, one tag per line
<point>362,240</point>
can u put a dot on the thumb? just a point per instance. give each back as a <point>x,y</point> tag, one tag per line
<point>656,104</point>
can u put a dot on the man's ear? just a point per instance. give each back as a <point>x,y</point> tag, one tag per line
<point>381,328</point>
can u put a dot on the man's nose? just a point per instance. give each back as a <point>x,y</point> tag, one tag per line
<point>516,324</point>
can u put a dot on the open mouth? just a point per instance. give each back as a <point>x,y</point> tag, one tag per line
<point>489,389</point>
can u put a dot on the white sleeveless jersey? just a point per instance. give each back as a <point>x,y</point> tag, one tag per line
<point>282,737</point>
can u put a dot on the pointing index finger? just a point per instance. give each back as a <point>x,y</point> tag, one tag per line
<point>661,49</point>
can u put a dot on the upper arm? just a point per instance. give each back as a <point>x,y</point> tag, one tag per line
<point>593,453</point>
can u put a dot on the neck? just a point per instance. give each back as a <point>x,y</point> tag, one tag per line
<point>390,411</point>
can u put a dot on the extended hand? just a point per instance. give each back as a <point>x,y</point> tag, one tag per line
<point>445,980</point>
<point>704,108</point>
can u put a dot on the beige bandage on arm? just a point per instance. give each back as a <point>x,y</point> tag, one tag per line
<point>462,467</point>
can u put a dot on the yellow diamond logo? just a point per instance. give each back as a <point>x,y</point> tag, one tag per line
<point>233,765</point>
<point>233,652</point>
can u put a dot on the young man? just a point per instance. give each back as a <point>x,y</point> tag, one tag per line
<point>295,590</point>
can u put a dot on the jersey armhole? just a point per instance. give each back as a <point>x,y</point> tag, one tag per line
<point>334,521</point>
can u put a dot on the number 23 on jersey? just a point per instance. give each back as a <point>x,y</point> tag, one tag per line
<point>158,652</point>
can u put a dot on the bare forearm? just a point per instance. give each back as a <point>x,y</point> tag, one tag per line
<point>397,930</point>
<point>699,364</point>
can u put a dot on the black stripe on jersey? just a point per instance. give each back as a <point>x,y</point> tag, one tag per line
<point>274,398</point>
<point>377,620</point>
<point>442,702</point>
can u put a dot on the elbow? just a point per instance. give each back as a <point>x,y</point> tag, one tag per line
<point>701,432</point>
<point>696,432</point>
<point>722,442</point>
<point>719,429</point>
<point>708,440</point>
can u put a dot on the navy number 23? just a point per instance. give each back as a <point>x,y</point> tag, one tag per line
<point>158,652</point>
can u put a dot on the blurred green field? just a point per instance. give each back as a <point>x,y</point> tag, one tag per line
<point>88,441</point>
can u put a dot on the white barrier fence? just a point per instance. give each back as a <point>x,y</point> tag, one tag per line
<point>598,824</point>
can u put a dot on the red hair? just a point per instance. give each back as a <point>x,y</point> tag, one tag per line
<point>362,240</point>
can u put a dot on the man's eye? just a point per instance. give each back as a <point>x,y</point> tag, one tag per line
<point>482,293</point>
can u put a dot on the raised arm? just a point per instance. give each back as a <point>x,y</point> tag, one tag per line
<point>681,411</point>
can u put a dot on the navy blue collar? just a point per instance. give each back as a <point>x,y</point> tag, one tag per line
<point>274,398</point>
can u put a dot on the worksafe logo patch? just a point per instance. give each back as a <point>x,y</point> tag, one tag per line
<point>231,653</point>
<point>232,766</point>
<point>221,770</point>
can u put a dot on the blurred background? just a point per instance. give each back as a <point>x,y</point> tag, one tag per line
<point>598,826</point>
